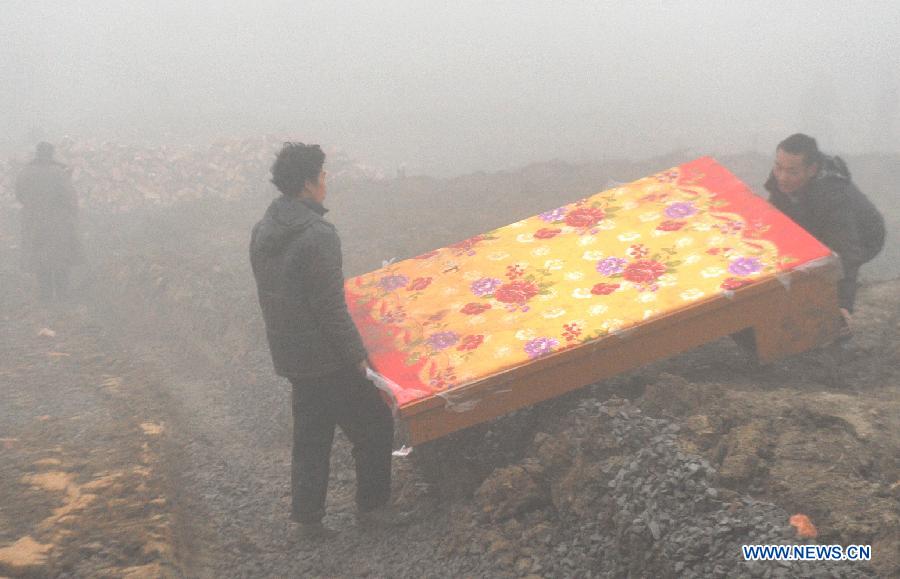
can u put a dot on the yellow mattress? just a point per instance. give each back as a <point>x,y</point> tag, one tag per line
<point>484,310</point>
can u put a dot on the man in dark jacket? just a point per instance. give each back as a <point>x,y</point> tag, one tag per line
<point>50,242</point>
<point>816,191</point>
<point>296,258</point>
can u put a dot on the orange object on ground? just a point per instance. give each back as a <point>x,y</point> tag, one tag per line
<point>805,528</point>
<point>579,293</point>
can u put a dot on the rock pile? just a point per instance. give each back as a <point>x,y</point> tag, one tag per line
<point>611,494</point>
<point>118,177</point>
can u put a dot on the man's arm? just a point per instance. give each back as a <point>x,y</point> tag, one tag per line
<point>69,194</point>
<point>23,195</point>
<point>324,280</point>
<point>840,227</point>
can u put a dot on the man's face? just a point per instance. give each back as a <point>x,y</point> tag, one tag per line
<point>792,173</point>
<point>318,189</point>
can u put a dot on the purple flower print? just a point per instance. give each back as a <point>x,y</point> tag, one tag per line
<point>745,266</point>
<point>540,347</point>
<point>611,265</point>
<point>485,286</point>
<point>391,282</point>
<point>680,210</point>
<point>554,214</point>
<point>442,340</point>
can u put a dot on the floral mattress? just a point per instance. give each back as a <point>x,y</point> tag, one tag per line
<point>568,277</point>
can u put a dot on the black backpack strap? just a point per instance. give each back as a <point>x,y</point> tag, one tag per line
<point>841,166</point>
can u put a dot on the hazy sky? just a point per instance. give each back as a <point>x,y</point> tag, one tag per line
<point>452,87</point>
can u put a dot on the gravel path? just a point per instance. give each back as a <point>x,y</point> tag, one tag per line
<point>162,379</point>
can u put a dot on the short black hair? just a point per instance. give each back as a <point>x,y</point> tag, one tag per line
<point>297,164</point>
<point>44,151</point>
<point>800,144</point>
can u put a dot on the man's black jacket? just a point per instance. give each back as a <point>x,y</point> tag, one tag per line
<point>836,213</point>
<point>296,260</point>
<point>49,216</point>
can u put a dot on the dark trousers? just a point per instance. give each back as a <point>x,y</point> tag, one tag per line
<point>53,282</point>
<point>349,400</point>
<point>847,287</point>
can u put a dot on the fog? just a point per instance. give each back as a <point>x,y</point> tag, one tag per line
<point>448,88</point>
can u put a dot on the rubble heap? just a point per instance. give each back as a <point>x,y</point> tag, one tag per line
<point>119,177</point>
<point>612,494</point>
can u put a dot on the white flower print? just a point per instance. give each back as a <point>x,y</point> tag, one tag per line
<point>598,310</point>
<point>691,295</point>
<point>526,334</point>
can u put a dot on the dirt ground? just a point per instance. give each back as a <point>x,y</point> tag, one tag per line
<point>83,489</point>
<point>818,434</point>
<point>144,435</point>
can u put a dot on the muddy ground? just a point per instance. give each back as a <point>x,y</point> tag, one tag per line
<point>143,433</point>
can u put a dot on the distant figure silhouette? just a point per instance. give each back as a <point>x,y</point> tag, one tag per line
<point>50,240</point>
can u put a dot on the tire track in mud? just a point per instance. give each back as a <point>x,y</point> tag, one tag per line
<point>229,458</point>
<point>83,489</point>
<point>221,454</point>
<point>229,455</point>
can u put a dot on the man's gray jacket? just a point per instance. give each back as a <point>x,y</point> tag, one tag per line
<point>296,258</point>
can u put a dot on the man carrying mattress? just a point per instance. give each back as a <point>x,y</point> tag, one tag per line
<point>816,191</point>
<point>296,257</point>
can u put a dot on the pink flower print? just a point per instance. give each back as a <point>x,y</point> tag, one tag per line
<point>669,176</point>
<point>514,271</point>
<point>671,225</point>
<point>470,342</point>
<point>517,292</point>
<point>604,289</point>
<point>419,284</point>
<point>733,283</point>
<point>585,217</point>
<point>473,309</point>
<point>638,251</point>
<point>547,232</point>
<point>644,271</point>
<point>394,316</point>
<point>571,331</point>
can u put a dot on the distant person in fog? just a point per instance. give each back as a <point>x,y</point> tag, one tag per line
<point>816,191</point>
<point>296,258</point>
<point>50,240</point>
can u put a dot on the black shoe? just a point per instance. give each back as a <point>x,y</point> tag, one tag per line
<point>383,517</point>
<point>315,532</point>
<point>845,334</point>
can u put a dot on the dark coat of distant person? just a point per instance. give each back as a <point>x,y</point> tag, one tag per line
<point>49,216</point>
